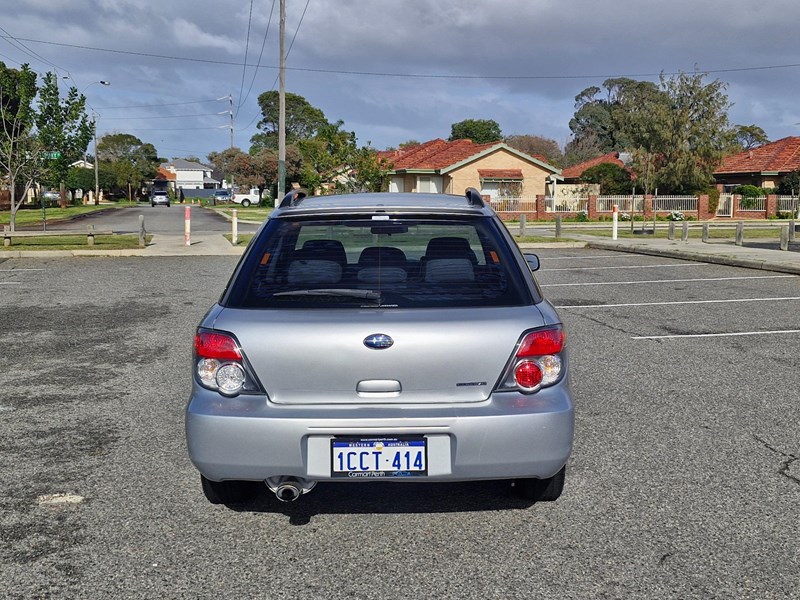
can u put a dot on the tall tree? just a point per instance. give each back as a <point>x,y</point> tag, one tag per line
<point>132,161</point>
<point>63,128</point>
<point>535,145</point>
<point>333,157</point>
<point>234,163</point>
<point>20,151</point>
<point>303,120</point>
<point>612,119</point>
<point>612,178</point>
<point>691,131</point>
<point>480,131</point>
<point>748,137</point>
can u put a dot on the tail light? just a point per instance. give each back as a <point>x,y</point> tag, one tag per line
<point>537,361</point>
<point>219,364</point>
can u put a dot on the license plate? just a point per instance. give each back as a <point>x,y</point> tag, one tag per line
<point>355,458</point>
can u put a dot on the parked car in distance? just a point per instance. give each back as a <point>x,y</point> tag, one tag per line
<point>222,196</point>
<point>247,198</point>
<point>51,195</point>
<point>159,197</point>
<point>375,337</point>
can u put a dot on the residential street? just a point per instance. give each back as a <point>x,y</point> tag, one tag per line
<point>684,481</point>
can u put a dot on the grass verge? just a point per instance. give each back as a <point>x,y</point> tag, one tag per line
<point>72,242</point>
<point>30,217</point>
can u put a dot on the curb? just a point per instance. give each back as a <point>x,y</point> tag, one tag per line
<point>718,259</point>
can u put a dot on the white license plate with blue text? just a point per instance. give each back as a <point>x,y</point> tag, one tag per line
<point>404,456</point>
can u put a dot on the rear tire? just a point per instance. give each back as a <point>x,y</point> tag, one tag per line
<point>245,203</point>
<point>229,492</point>
<point>542,490</point>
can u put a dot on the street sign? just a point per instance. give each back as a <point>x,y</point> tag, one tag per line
<point>51,155</point>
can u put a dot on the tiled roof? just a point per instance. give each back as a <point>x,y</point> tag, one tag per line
<point>165,174</point>
<point>500,173</point>
<point>575,171</point>
<point>435,154</point>
<point>782,156</point>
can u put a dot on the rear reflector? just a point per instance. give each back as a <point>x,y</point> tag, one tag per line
<point>542,342</point>
<point>216,345</point>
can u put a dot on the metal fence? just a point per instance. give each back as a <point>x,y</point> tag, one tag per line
<point>674,203</point>
<point>522,204</point>
<point>606,203</point>
<point>755,204</point>
<point>788,204</point>
<point>568,205</point>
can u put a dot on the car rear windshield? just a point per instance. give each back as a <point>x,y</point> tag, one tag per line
<point>378,262</point>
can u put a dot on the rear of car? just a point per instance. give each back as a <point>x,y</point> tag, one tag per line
<point>380,337</point>
<point>159,197</point>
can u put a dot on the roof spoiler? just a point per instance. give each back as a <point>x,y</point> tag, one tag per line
<point>293,198</point>
<point>474,197</point>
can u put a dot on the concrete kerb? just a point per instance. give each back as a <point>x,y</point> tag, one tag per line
<point>766,264</point>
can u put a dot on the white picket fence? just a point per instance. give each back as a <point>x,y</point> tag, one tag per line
<point>521,204</point>
<point>566,204</point>
<point>788,204</point>
<point>624,203</point>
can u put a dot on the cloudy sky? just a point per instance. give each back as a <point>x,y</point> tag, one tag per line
<point>397,70</point>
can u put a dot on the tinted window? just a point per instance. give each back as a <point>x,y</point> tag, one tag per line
<point>403,262</point>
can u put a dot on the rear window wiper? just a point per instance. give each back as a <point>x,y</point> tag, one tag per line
<point>347,293</point>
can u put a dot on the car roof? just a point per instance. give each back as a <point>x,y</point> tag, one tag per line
<point>377,202</point>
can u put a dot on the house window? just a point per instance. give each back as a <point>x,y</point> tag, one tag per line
<point>397,184</point>
<point>429,185</point>
<point>501,188</point>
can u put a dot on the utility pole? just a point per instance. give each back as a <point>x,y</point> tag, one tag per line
<point>282,109</point>
<point>96,167</point>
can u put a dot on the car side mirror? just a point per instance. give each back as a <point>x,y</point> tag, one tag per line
<point>533,261</point>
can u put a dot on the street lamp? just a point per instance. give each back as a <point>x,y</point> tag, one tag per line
<point>96,160</point>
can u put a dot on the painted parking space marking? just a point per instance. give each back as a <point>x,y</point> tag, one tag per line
<point>10,283</point>
<point>673,265</point>
<point>543,258</point>
<point>698,279</point>
<point>18,270</point>
<point>702,335</point>
<point>678,302</point>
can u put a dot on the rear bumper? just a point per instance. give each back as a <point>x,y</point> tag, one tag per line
<point>508,436</point>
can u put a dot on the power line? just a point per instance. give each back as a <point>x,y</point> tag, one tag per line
<point>246,47</point>
<point>160,117</point>
<point>258,64</point>
<point>412,75</point>
<point>287,56</point>
<point>156,105</point>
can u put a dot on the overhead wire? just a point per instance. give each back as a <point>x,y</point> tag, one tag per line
<point>415,75</point>
<point>296,31</point>
<point>246,47</point>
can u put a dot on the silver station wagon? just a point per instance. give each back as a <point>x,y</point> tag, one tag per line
<point>375,337</point>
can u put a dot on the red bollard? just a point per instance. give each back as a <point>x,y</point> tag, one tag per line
<point>187,227</point>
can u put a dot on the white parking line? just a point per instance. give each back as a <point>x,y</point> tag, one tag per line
<point>543,258</point>
<point>15,270</point>
<point>10,283</point>
<point>666,281</point>
<point>630,267</point>
<point>571,306</point>
<point>701,335</point>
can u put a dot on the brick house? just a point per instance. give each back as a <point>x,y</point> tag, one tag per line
<point>495,169</point>
<point>763,167</point>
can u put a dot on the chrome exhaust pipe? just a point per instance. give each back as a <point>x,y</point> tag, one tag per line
<point>288,488</point>
<point>288,491</point>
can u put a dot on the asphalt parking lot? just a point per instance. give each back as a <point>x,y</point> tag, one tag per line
<point>684,481</point>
